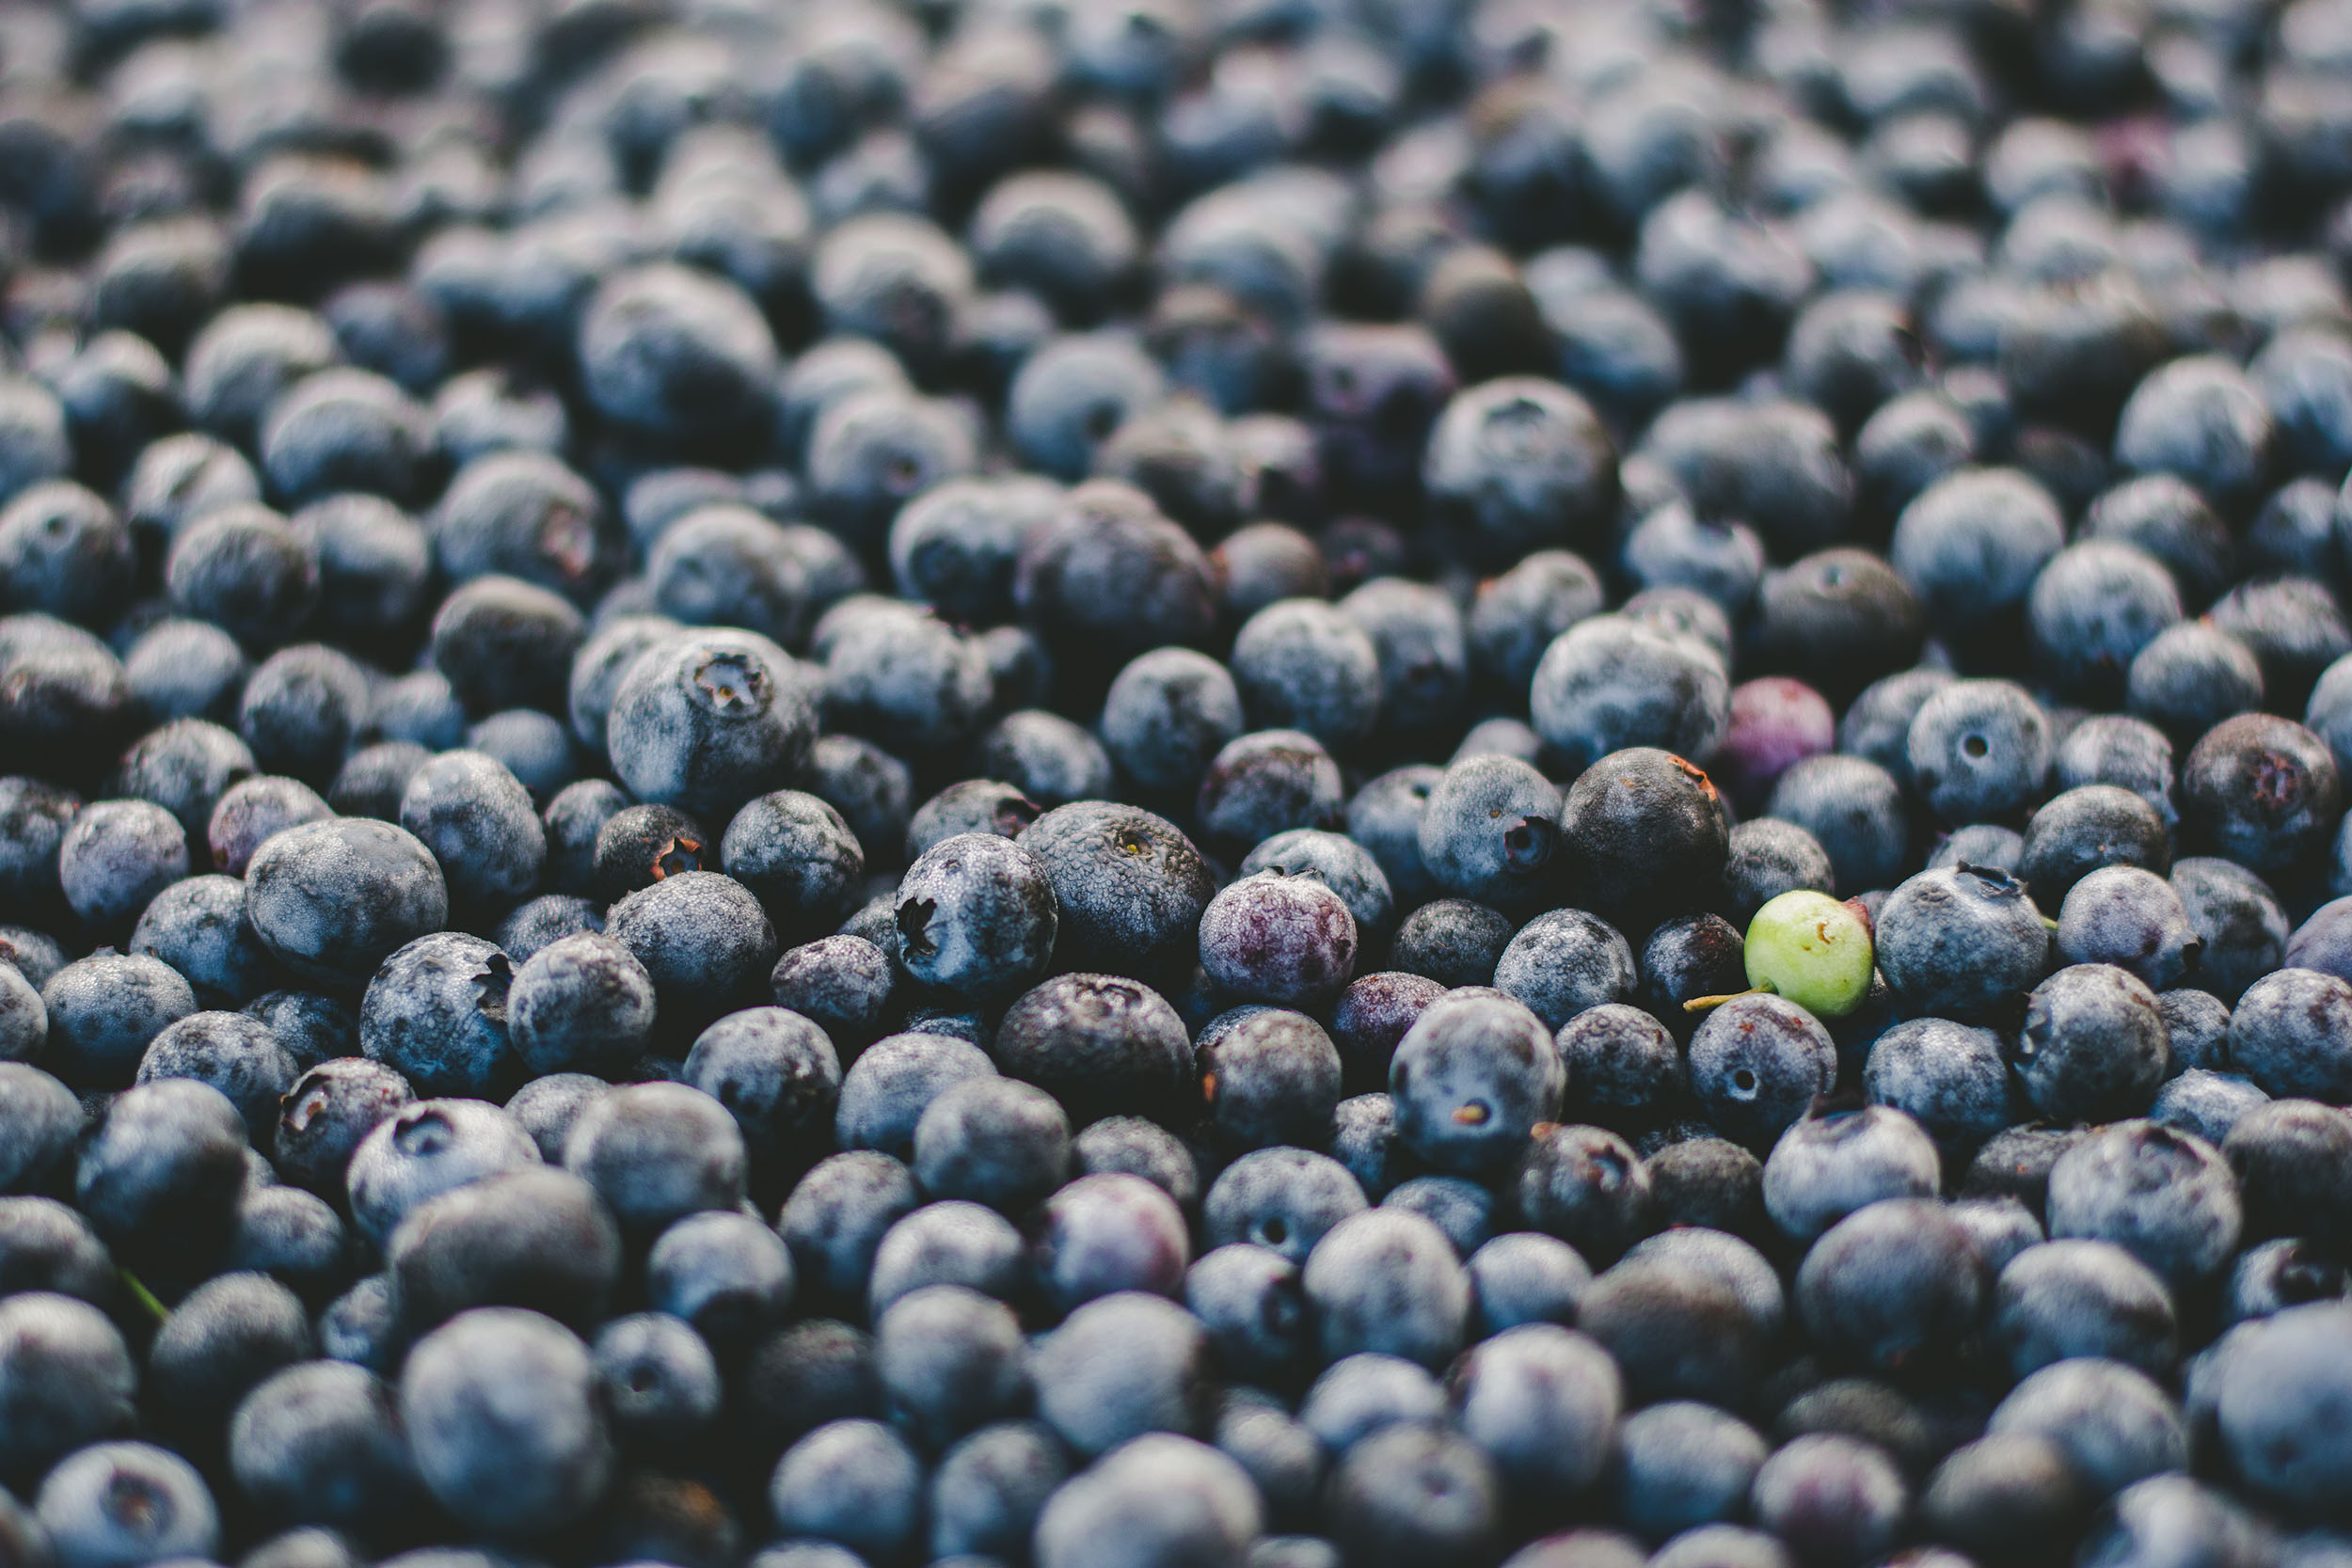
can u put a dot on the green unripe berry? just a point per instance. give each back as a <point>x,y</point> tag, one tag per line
<point>1812,950</point>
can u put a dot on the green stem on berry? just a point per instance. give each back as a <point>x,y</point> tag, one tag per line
<point>1708,1003</point>
<point>144,1296</point>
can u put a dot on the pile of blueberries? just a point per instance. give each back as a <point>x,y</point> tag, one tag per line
<point>1175,783</point>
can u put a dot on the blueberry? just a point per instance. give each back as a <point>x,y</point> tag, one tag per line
<point>1415,1494</point>
<point>1681,1466</point>
<point>2283,1155</point>
<point>1610,682</point>
<point>1831,1164</point>
<point>1471,1079</point>
<point>502,1380</point>
<point>1278,938</point>
<point>161,1174</point>
<point>1454,1204</point>
<point>1385,818</point>
<point>66,1380</point>
<point>1971,543</point>
<point>1518,615</point>
<point>839,1214</point>
<point>990,1488</point>
<point>1960,942</point>
<point>1522,1277</point>
<point>2085,828</point>
<point>1949,1077</point>
<point>186,670</point>
<point>1831,1497</point>
<point>326,1113</point>
<point>2288,1032</point>
<point>545,921</point>
<point>2295,628</point>
<point>702,937</point>
<point>725,1273</point>
<point>891,1082</point>
<point>1120,1367</point>
<point>1269,1076</point>
<point>232,1052</point>
<point>992,1140</point>
<point>1106,1232</point>
<point>427,1148</point>
<point>1361,1394</point>
<point>23,1019</point>
<point>1855,810</point>
<point>1282,1200</point>
<point>1623,1066</point>
<point>2093,607</point>
<point>478,820</point>
<point>2005,1494</point>
<point>2275,1438</point>
<point>1163,1498</point>
<point>657,1153</point>
<point>2126,916</point>
<point>2166,1197</point>
<point>1265,782</point>
<point>200,928</point>
<point>127,1502</point>
<point>250,810</point>
<point>580,1003</point>
<point>2083,1298</point>
<point>2113,1423</point>
<point>1585,1186</point>
<point>1249,1301</point>
<point>1387,1280</point>
<point>104,1010</point>
<point>658,1380</point>
<point>2185,1507</point>
<point>1543,1402</point>
<point>116,857</point>
<point>320,1443</point>
<point>64,551</point>
<point>1756,1063</point>
<point>704,722</point>
<point>976,914</point>
<point>527,1236</point>
<point>1893,1282</point>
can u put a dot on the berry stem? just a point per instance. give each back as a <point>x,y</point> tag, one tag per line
<point>144,1296</point>
<point>1708,1003</point>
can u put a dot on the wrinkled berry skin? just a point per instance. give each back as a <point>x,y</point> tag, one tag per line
<point>1129,885</point>
<point>1644,832</point>
<point>1289,941</point>
<point>976,916</point>
<point>708,720</point>
<point>332,899</point>
<point>1471,1080</point>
